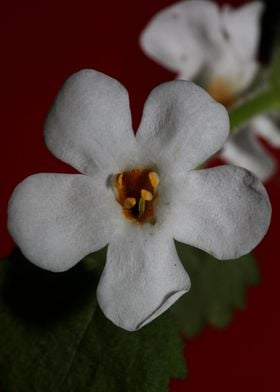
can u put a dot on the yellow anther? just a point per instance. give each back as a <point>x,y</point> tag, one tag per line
<point>120,180</point>
<point>154,179</point>
<point>146,195</point>
<point>129,203</point>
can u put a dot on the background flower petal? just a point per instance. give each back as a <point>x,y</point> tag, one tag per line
<point>89,125</point>
<point>234,73</point>
<point>224,211</point>
<point>268,128</point>
<point>182,126</point>
<point>243,149</point>
<point>142,278</point>
<point>242,26</point>
<point>57,219</point>
<point>179,36</point>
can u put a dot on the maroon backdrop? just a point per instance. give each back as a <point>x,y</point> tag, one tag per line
<point>42,43</point>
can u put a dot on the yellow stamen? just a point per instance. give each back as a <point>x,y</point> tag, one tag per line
<point>120,180</point>
<point>136,192</point>
<point>154,179</point>
<point>146,195</point>
<point>129,202</point>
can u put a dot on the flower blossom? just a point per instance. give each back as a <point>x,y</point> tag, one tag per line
<point>136,193</point>
<point>217,48</point>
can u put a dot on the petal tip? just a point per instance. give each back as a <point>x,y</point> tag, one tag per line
<point>170,300</point>
<point>125,322</point>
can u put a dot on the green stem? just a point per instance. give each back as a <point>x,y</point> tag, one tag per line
<point>268,100</point>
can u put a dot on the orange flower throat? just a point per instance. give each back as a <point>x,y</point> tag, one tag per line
<point>136,192</point>
<point>221,91</point>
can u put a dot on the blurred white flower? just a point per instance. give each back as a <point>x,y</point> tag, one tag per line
<point>215,47</point>
<point>245,150</point>
<point>136,193</point>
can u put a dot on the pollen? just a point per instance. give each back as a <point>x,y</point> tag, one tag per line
<point>120,179</point>
<point>129,202</point>
<point>154,179</point>
<point>136,191</point>
<point>146,195</point>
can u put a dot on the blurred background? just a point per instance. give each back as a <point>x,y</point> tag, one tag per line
<point>42,43</point>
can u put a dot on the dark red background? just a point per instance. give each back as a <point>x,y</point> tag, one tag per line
<point>42,43</point>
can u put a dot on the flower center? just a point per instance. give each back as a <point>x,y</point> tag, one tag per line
<point>221,91</point>
<point>136,192</point>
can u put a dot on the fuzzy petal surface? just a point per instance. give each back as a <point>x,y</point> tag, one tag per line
<point>57,219</point>
<point>224,211</point>
<point>142,278</point>
<point>182,126</point>
<point>89,125</point>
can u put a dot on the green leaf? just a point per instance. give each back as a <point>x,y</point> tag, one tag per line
<point>218,288</point>
<point>53,336</point>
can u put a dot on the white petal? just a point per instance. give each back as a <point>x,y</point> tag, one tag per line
<point>57,219</point>
<point>267,128</point>
<point>182,126</point>
<point>179,36</point>
<point>224,211</point>
<point>242,26</point>
<point>142,278</point>
<point>89,125</point>
<point>243,149</point>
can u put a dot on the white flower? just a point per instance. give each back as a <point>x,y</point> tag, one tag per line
<point>215,47</point>
<point>136,193</point>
